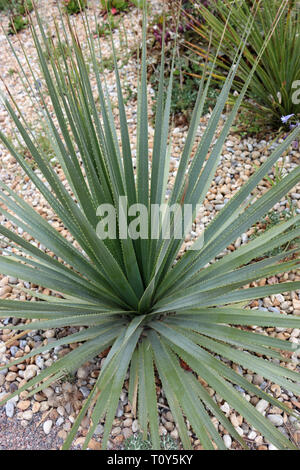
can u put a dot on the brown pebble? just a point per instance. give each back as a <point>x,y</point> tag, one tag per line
<point>23,405</point>
<point>39,397</point>
<point>296,437</point>
<point>94,445</point>
<point>118,439</point>
<point>36,407</point>
<point>62,434</point>
<point>11,376</point>
<point>53,414</point>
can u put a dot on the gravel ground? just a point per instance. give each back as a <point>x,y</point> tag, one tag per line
<point>13,436</point>
<point>42,421</point>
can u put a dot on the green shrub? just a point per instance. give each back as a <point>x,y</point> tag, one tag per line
<point>17,10</point>
<point>107,25</point>
<point>135,297</point>
<point>72,7</point>
<point>118,4</point>
<point>4,4</point>
<point>273,218</point>
<point>136,442</point>
<point>23,6</point>
<point>272,90</point>
<point>185,90</point>
<point>56,51</point>
<point>16,24</point>
<point>45,147</point>
<point>16,6</point>
<point>187,67</point>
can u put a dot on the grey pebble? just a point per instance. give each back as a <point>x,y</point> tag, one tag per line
<point>274,309</point>
<point>39,362</point>
<point>99,430</point>
<point>277,420</point>
<point>9,409</point>
<point>85,391</point>
<point>239,389</point>
<point>120,410</point>
<point>37,338</point>
<point>59,421</point>
<point>263,385</point>
<point>283,431</point>
<point>14,350</point>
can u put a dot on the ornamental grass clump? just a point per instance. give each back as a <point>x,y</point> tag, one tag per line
<point>275,87</point>
<point>117,276</point>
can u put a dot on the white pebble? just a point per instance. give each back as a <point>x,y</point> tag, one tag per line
<point>277,420</point>
<point>47,426</point>
<point>252,435</point>
<point>227,441</point>
<point>262,405</point>
<point>271,447</point>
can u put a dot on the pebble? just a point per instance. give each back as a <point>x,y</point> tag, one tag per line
<point>39,362</point>
<point>49,334</point>
<point>252,435</point>
<point>169,416</point>
<point>44,406</point>
<point>14,350</point>
<point>60,410</point>
<point>127,422</point>
<point>82,373</point>
<point>28,415</point>
<point>9,409</point>
<point>59,421</point>
<point>276,390</point>
<point>94,445</point>
<point>99,430</point>
<point>135,426</point>
<point>277,420</point>
<point>239,430</point>
<point>36,407</point>
<point>127,432</point>
<point>24,405</point>
<point>120,410</point>
<point>11,376</point>
<point>234,420</point>
<point>115,431</point>
<point>48,392</point>
<point>169,426</point>
<point>85,391</point>
<point>30,372</point>
<point>225,408</point>
<point>174,434</point>
<point>47,426</point>
<point>227,441</point>
<point>262,405</point>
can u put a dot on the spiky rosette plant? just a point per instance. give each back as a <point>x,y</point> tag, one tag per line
<point>133,294</point>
